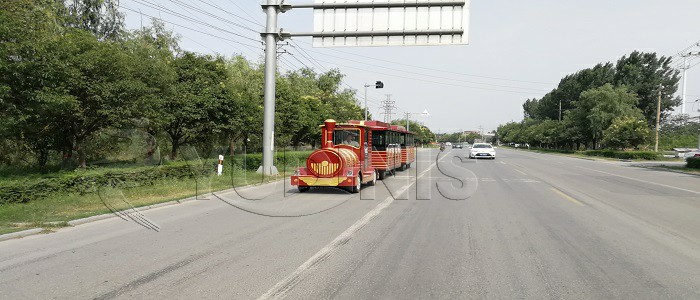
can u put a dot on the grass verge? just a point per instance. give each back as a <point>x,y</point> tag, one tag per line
<point>56,210</point>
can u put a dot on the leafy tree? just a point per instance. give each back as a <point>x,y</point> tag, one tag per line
<point>568,91</point>
<point>596,109</point>
<point>94,99</point>
<point>643,74</point>
<point>245,83</point>
<point>28,31</point>
<point>627,131</point>
<point>192,113</point>
<point>423,135</point>
<point>299,107</point>
<point>154,49</point>
<point>100,17</point>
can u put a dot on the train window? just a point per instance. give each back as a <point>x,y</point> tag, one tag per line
<point>346,137</point>
<point>379,141</point>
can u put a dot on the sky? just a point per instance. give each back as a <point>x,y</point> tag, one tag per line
<point>517,50</point>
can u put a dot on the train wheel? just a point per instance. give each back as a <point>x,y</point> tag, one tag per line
<point>304,189</point>
<point>358,183</point>
<point>374,179</point>
<point>402,167</point>
<point>381,174</point>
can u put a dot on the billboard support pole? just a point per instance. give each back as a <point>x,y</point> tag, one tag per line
<point>271,36</point>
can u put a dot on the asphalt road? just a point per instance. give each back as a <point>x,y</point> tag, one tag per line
<point>525,225</point>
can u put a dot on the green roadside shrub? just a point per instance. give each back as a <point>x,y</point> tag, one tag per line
<point>693,162</point>
<point>251,162</point>
<point>21,192</point>
<point>647,155</point>
<point>88,181</point>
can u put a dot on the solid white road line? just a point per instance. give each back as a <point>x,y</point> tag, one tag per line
<point>281,288</point>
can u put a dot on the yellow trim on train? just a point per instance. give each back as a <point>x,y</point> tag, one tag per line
<point>315,181</point>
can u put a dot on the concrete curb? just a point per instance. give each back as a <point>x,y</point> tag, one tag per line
<point>661,168</point>
<point>33,231</point>
<point>20,234</point>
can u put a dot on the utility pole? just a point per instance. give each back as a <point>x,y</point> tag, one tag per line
<point>408,125</point>
<point>658,120</point>
<point>559,110</point>
<point>685,68</point>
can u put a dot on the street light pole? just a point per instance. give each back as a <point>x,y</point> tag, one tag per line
<point>366,108</point>
<point>377,85</point>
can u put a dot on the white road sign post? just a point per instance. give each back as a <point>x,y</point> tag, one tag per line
<point>353,23</point>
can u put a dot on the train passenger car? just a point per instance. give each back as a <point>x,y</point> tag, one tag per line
<point>408,150</point>
<point>389,149</point>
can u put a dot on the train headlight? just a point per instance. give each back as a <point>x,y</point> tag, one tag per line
<point>350,173</point>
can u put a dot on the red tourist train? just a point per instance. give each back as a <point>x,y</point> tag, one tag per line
<point>356,153</point>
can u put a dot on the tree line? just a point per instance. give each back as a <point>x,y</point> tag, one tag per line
<point>606,106</point>
<point>74,78</point>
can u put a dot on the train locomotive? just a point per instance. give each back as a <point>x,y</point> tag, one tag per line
<point>356,153</point>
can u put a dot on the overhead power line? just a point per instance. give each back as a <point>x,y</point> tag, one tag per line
<point>228,12</point>
<point>188,18</point>
<point>430,81</point>
<point>190,28</point>
<point>241,8</point>
<point>427,68</point>
<point>206,13</point>
<point>434,76</point>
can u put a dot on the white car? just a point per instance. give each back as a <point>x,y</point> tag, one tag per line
<point>482,150</point>
<point>693,153</point>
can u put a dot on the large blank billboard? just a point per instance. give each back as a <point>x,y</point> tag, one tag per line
<point>349,23</point>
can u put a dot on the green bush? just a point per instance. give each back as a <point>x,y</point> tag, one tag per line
<point>251,162</point>
<point>647,155</point>
<point>693,162</point>
<point>30,188</point>
<point>20,192</point>
<point>566,151</point>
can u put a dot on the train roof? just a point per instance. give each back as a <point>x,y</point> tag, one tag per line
<point>374,124</point>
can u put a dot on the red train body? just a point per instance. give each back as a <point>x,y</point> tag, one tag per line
<point>356,153</point>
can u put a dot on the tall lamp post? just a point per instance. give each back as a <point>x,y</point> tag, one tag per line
<point>377,85</point>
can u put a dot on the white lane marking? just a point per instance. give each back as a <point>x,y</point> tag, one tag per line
<point>521,172</point>
<point>279,290</point>
<point>644,181</point>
